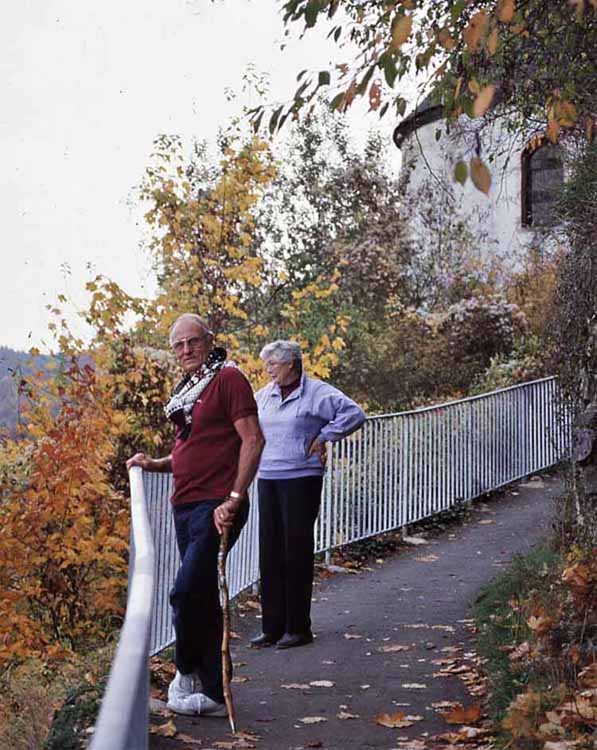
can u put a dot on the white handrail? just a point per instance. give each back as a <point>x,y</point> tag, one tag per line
<point>123,719</point>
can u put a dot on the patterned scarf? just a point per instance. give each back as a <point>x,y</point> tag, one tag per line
<point>185,395</point>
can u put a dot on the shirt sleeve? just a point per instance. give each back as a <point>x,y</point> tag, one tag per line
<point>237,394</point>
<point>343,414</point>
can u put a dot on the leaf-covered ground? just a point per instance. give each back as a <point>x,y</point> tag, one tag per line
<point>393,663</point>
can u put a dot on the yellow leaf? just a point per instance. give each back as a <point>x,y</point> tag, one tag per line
<point>567,114</point>
<point>401,29</point>
<point>480,175</point>
<point>553,130</point>
<point>474,31</point>
<point>483,100</point>
<point>492,42</point>
<point>473,86</point>
<point>164,730</point>
<point>506,10</point>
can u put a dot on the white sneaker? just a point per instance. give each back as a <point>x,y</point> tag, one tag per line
<point>181,687</point>
<point>197,704</point>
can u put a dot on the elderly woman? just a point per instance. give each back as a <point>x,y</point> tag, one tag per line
<point>298,415</point>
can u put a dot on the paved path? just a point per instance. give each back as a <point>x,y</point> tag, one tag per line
<point>419,598</point>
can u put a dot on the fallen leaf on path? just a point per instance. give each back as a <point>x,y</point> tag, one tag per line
<point>352,636</point>
<point>391,720</point>
<point>445,704</point>
<point>249,736</point>
<point>314,743</point>
<point>414,540</point>
<point>463,735</point>
<point>397,720</point>
<point>312,719</point>
<point>392,648</point>
<point>347,715</point>
<point>364,687</point>
<point>322,683</point>
<point>462,715</point>
<point>164,730</point>
<point>427,558</point>
<point>240,678</point>
<point>296,686</point>
<point>341,569</point>
<point>239,663</point>
<point>188,739</point>
<point>412,744</point>
<point>414,686</point>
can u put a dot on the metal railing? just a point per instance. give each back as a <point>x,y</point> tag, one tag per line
<point>398,469</point>
<point>124,715</point>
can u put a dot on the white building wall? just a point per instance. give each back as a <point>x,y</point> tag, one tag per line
<point>495,219</point>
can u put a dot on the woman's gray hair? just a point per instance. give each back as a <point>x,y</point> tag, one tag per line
<point>191,317</point>
<point>282,351</point>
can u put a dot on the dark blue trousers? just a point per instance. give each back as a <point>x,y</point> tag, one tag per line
<point>288,509</point>
<point>197,615</point>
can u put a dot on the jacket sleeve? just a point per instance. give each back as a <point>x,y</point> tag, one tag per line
<point>343,416</point>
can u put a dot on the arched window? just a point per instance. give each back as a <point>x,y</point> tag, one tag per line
<point>542,180</point>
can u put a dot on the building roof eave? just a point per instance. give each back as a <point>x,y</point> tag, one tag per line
<point>416,120</point>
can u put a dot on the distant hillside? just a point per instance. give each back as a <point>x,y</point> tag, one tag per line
<point>13,366</point>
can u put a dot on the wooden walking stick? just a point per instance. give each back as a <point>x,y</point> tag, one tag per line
<point>225,604</point>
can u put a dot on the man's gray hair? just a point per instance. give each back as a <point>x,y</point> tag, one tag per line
<point>282,351</point>
<point>191,317</point>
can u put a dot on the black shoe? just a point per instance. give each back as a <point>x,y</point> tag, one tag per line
<point>263,640</point>
<point>291,640</point>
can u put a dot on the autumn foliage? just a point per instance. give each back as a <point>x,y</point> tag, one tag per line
<point>63,529</point>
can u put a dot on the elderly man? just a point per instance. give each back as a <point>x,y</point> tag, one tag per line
<point>216,452</point>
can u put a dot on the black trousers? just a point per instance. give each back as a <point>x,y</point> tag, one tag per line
<point>195,600</point>
<point>288,509</point>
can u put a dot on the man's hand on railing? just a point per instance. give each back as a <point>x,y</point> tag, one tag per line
<point>149,464</point>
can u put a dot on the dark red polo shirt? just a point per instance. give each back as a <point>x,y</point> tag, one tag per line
<point>205,464</point>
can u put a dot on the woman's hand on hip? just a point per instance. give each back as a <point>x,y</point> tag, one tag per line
<point>318,448</point>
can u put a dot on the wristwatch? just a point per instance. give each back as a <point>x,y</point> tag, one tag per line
<point>235,495</point>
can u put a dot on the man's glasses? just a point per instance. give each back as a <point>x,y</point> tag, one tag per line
<point>191,343</point>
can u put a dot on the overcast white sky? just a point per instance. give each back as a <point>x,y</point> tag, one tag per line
<point>86,88</point>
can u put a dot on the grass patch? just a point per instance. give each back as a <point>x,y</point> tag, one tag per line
<point>501,613</point>
<point>537,628</point>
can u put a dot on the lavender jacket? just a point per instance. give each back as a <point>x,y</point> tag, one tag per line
<point>314,409</point>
